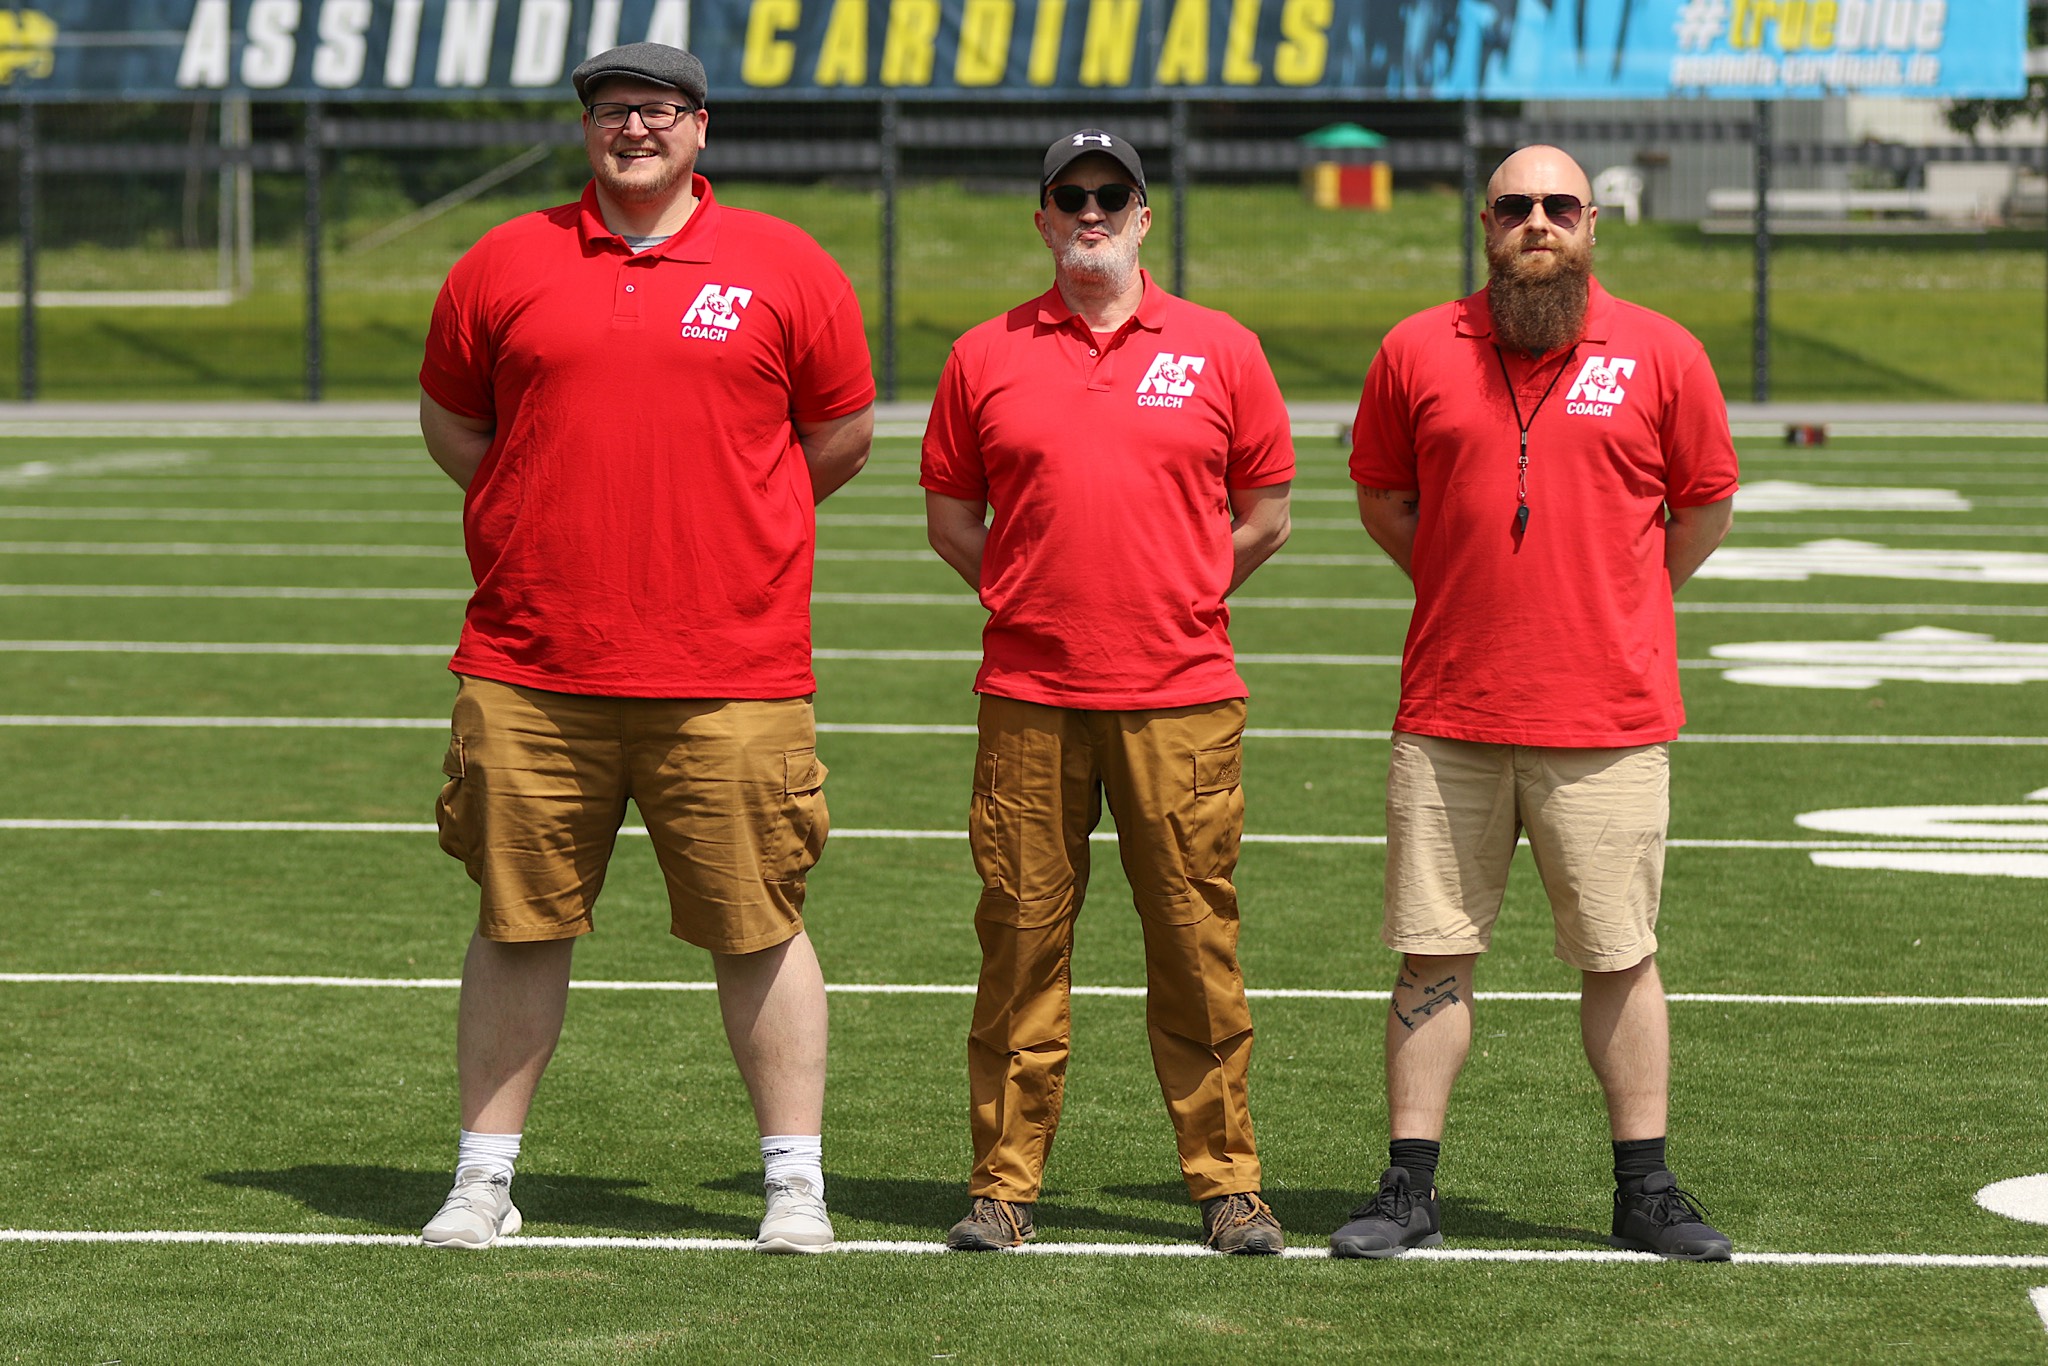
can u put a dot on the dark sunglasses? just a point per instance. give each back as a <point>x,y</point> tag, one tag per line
<point>1513,210</point>
<point>1112,198</point>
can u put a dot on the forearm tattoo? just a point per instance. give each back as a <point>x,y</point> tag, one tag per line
<point>1433,997</point>
<point>1407,499</point>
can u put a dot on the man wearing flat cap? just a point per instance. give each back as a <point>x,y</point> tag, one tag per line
<point>643,396</point>
<point>1134,452</point>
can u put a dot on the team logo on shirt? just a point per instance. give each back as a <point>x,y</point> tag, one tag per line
<point>1170,380</point>
<point>1598,391</point>
<point>716,312</point>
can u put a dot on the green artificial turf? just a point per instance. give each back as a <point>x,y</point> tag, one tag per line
<point>1805,1128</point>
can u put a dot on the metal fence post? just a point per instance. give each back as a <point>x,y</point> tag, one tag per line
<point>314,357</point>
<point>1177,160</point>
<point>25,170</point>
<point>889,139</point>
<point>1760,337</point>
<point>1469,164</point>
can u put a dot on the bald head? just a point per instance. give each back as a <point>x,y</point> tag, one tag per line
<point>1538,171</point>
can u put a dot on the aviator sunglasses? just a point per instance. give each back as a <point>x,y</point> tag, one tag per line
<point>1513,210</point>
<point>1112,198</point>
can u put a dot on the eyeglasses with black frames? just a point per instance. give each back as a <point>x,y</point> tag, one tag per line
<point>1563,210</point>
<point>653,117</point>
<point>1112,198</point>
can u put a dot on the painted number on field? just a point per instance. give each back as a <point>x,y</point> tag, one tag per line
<point>1789,495</point>
<point>1985,824</point>
<point>1869,560</point>
<point>1921,654</point>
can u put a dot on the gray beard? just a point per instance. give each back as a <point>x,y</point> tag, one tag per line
<point>1111,272</point>
<point>1538,315</point>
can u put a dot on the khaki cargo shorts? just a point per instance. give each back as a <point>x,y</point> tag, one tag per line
<point>1595,820</point>
<point>732,793</point>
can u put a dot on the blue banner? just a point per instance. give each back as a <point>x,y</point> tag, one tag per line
<point>1024,49</point>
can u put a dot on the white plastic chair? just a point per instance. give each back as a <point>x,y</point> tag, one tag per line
<point>1620,187</point>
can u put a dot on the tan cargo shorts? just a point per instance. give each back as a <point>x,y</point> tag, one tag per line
<point>732,793</point>
<point>1595,820</point>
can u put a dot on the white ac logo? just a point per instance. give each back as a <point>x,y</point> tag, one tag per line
<point>1600,379</point>
<point>1083,139</point>
<point>1171,374</point>
<point>717,306</point>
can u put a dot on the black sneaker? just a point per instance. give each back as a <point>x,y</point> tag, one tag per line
<point>990,1225</point>
<point>1391,1222</point>
<point>1665,1220</point>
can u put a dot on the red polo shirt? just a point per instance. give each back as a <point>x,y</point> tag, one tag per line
<point>642,524</point>
<point>1108,462</point>
<point>1564,634</point>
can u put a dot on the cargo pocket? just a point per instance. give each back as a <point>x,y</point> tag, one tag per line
<point>450,807</point>
<point>984,831</point>
<point>1216,814</point>
<point>805,821</point>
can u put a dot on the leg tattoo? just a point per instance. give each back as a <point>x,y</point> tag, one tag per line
<point>1434,996</point>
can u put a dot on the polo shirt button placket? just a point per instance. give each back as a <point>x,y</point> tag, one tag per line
<point>626,303</point>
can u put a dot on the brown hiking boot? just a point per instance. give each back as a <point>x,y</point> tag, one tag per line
<point>1241,1223</point>
<point>991,1226</point>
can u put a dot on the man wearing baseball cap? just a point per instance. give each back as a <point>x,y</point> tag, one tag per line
<point>643,395</point>
<point>1134,450</point>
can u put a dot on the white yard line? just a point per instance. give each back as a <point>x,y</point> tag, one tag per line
<point>230,549</point>
<point>906,728</point>
<point>916,1247</point>
<point>20,513</point>
<point>222,827</point>
<point>194,979</point>
<point>281,592</point>
<point>2040,1299</point>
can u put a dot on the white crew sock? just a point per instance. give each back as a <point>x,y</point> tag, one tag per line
<point>495,1153</point>
<point>798,1156</point>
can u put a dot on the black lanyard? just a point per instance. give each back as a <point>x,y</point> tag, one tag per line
<point>1522,468</point>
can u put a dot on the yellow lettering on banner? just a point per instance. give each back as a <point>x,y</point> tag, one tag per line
<point>1184,52</point>
<point>1045,42</point>
<point>984,55</point>
<point>843,58</point>
<point>1742,27</point>
<point>769,58</point>
<point>1821,28</point>
<point>1110,43</point>
<point>1304,52</point>
<point>907,48</point>
<point>1792,25</point>
<point>1238,66</point>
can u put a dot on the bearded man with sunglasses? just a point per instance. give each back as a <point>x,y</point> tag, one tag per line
<point>643,395</point>
<point>1548,464</point>
<point>1136,453</point>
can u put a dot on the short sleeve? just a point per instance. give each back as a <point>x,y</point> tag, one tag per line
<point>1699,451</point>
<point>833,375</point>
<point>1261,434</point>
<point>1383,433</point>
<point>456,372</point>
<point>952,465</point>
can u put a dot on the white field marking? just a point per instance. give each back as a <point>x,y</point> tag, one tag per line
<point>208,482</point>
<point>22,513</point>
<point>1711,998</point>
<point>203,647</point>
<point>1790,495</point>
<point>1755,528</point>
<point>148,590</point>
<point>909,728</point>
<point>853,1246</point>
<point>2040,1298</point>
<point>1918,654</point>
<point>231,548</point>
<point>420,471</point>
<point>2024,1198</point>
<point>890,519</point>
<point>86,466</point>
<point>2004,823</point>
<point>1869,560</point>
<point>1099,837</point>
<point>171,427</point>
<point>1879,458</point>
<point>1951,865</point>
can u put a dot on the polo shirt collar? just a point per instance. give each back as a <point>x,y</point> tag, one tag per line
<point>694,241</point>
<point>1473,315</point>
<point>1151,314</point>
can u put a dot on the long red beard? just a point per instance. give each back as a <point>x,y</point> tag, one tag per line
<point>1539,304</point>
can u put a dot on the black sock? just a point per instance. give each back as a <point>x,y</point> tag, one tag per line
<point>1418,1157</point>
<point>1635,1159</point>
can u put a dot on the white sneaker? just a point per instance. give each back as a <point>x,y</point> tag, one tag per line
<point>477,1213</point>
<point>796,1220</point>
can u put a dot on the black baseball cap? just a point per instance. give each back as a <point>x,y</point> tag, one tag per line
<point>656,62</point>
<point>1090,141</point>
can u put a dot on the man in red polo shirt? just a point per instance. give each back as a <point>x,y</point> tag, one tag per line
<point>1548,464</point>
<point>643,395</point>
<point>1136,453</point>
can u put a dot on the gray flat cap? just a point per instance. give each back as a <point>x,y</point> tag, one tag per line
<point>656,62</point>
<point>1090,141</point>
